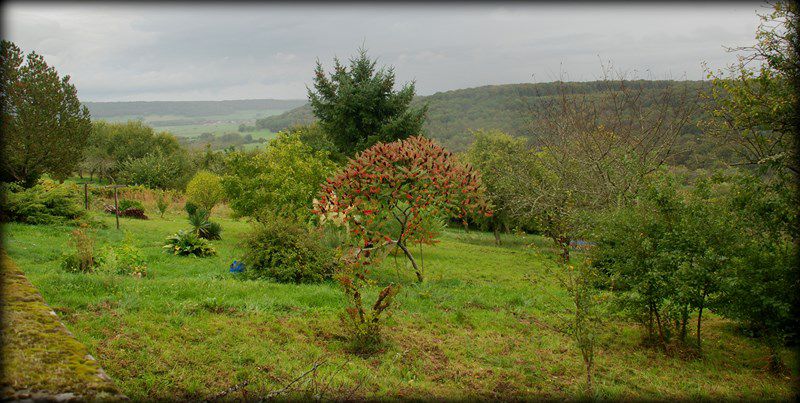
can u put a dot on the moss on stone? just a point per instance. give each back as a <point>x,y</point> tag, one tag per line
<point>40,356</point>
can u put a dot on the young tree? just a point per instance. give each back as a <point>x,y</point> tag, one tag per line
<point>386,190</point>
<point>282,178</point>
<point>492,154</point>
<point>358,106</point>
<point>593,150</point>
<point>44,125</point>
<point>760,291</point>
<point>205,190</point>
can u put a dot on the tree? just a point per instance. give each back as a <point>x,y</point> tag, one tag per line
<point>282,178</point>
<point>755,108</point>
<point>670,253</point>
<point>386,191</point>
<point>358,106</point>
<point>44,125</point>
<point>316,138</point>
<point>760,291</point>
<point>592,151</point>
<point>157,170</point>
<point>492,154</point>
<point>113,148</point>
<point>205,190</point>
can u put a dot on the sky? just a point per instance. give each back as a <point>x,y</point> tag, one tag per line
<point>208,51</point>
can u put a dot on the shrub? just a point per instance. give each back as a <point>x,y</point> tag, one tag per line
<point>45,203</point>
<point>203,227</point>
<point>124,259</point>
<point>162,203</point>
<point>157,170</point>
<point>283,250</point>
<point>188,243</point>
<point>190,207</point>
<point>125,204</point>
<point>282,177</point>
<point>83,259</point>
<point>386,191</point>
<point>205,190</point>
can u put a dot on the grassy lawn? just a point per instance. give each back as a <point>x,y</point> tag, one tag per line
<point>478,326</point>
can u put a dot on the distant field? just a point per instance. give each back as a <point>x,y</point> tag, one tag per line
<point>193,126</point>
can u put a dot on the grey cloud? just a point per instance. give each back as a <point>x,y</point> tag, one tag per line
<point>151,52</point>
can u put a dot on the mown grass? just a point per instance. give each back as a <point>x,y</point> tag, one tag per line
<point>477,327</point>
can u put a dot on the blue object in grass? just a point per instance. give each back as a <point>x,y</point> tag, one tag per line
<point>237,267</point>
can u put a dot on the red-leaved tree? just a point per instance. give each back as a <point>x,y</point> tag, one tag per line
<point>386,191</point>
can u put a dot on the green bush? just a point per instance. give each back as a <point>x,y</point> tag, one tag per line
<point>125,204</point>
<point>162,202</point>
<point>47,202</point>
<point>283,250</point>
<point>190,207</point>
<point>83,259</point>
<point>188,243</point>
<point>125,259</point>
<point>205,190</point>
<point>203,227</point>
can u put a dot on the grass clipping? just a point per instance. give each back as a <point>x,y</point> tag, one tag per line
<point>40,356</point>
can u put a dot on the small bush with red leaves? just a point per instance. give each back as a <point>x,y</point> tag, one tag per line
<point>386,192</point>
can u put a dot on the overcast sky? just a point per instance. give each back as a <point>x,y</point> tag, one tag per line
<point>143,52</point>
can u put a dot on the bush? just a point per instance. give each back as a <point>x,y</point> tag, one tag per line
<point>205,190</point>
<point>124,259</point>
<point>203,227</point>
<point>188,243</point>
<point>125,204</point>
<point>157,170</point>
<point>47,202</point>
<point>282,177</point>
<point>162,203</point>
<point>283,250</point>
<point>83,259</point>
<point>190,207</point>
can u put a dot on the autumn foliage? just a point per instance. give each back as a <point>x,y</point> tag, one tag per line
<point>385,192</point>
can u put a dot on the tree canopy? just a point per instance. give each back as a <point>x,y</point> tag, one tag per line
<point>44,125</point>
<point>358,106</point>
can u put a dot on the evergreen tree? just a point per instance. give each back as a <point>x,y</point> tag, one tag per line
<point>44,125</point>
<point>358,106</point>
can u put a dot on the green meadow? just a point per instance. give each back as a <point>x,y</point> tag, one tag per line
<point>485,323</point>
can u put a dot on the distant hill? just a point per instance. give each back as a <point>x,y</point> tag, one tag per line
<point>452,114</point>
<point>100,110</point>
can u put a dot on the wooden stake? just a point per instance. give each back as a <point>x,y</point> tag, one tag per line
<point>116,207</point>
<point>86,195</point>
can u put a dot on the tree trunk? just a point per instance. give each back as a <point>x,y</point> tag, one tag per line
<point>589,377</point>
<point>684,319</point>
<point>497,235</point>
<point>699,321</point>
<point>411,258</point>
<point>660,330</point>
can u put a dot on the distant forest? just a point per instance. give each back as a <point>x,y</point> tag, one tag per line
<point>452,114</point>
<point>186,108</point>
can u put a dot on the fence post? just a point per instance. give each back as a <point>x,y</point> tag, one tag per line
<point>86,195</point>
<point>116,207</point>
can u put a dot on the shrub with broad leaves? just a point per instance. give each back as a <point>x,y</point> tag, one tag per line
<point>186,243</point>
